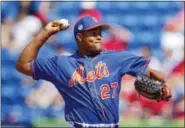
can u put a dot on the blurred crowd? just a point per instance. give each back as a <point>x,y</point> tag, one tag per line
<point>154,30</point>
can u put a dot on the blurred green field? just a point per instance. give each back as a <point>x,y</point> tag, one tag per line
<point>123,123</point>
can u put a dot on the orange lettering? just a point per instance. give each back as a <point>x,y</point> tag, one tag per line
<point>90,76</point>
<point>77,76</point>
<point>81,70</point>
<point>98,70</point>
<point>104,73</point>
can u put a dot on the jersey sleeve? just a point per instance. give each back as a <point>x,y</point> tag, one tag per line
<point>45,69</point>
<point>133,64</point>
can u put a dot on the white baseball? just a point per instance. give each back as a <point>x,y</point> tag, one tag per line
<point>65,23</point>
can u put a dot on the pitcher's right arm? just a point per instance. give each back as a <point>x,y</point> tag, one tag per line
<point>30,52</point>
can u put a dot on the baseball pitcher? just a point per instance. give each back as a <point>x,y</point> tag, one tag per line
<point>90,80</point>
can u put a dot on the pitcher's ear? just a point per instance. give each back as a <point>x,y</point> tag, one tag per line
<point>79,37</point>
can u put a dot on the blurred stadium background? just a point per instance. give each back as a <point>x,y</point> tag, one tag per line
<point>151,29</point>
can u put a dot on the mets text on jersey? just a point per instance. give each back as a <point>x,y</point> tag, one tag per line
<point>78,75</point>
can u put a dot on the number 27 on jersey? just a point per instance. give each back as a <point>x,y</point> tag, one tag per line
<point>105,90</point>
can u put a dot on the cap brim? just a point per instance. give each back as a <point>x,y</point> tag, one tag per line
<point>102,26</point>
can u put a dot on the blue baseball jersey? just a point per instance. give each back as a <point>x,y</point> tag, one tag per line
<point>90,86</point>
